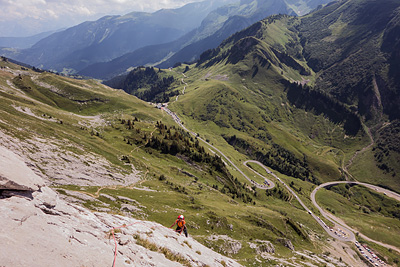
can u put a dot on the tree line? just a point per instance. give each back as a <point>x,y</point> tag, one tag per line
<point>387,148</point>
<point>146,84</point>
<point>275,157</point>
<point>177,142</point>
<point>319,102</point>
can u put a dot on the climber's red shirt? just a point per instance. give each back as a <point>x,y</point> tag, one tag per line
<point>180,223</point>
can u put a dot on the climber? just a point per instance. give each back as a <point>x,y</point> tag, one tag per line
<point>181,225</point>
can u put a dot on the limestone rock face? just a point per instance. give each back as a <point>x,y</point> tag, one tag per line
<point>40,229</point>
<point>15,174</point>
<point>44,230</point>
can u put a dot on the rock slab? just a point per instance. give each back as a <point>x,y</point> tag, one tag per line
<point>40,229</point>
<point>15,174</point>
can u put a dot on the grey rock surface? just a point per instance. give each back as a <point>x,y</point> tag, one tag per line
<point>46,230</point>
<point>15,174</point>
<point>227,245</point>
<point>40,229</point>
<point>262,246</point>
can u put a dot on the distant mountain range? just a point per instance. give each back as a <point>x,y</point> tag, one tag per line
<point>160,38</point>
<point>218,25</point>
<point>112,36</point>
<point>22,42</point>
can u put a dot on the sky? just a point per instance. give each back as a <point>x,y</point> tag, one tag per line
<point>20,18</point>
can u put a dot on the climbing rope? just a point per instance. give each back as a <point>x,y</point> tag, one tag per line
<point>115,241</point>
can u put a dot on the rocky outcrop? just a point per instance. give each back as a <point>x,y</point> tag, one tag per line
<point>40,229</point>
<point>262,246</point>
<point>224,244</point>
<point>286,242</point>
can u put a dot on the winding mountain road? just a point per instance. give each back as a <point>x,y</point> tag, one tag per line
<point>268,184</point>
<point>179,122</point>
<point>335,220</point>
<point>348,235</point>
<point>340,230</point>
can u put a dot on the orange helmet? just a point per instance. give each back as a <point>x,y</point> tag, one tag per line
<point>181,217</point>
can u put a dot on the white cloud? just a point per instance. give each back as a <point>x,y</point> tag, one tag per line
<point>50,14</point>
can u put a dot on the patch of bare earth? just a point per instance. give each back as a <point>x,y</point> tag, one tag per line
<point>219,77</point>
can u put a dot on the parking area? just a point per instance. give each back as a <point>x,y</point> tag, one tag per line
<point>369,254</point>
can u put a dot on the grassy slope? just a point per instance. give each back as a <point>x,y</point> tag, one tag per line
<point>199,203</point>
<point>240,88</point>
<point>223,94</point>
<point>365,170</point>
<point>245,106</point>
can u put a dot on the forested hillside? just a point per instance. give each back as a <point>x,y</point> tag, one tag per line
<point>146,83</point>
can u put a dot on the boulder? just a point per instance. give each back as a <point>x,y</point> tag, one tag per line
<point>15,174</point>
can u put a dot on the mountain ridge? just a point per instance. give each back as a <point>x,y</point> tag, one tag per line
<point>308,48</point>
<point>189,47</point>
